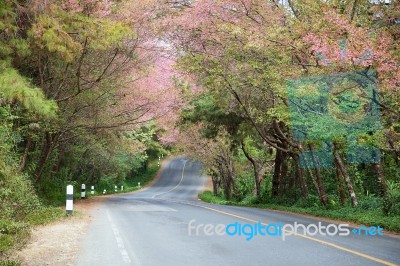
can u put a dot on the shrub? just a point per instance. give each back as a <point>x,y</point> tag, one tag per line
<point>8,262</point>
<point>244,187</point>
<point>17,197</point>
<point>12,233</point>
<point>45,215</point>
<point>391,204</point>
<point>370,202</point>
<point>309,201</point>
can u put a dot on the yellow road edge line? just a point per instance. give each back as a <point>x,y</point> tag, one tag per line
<point>309,238</point>
<point>180,181</point>
<point>360,254</point>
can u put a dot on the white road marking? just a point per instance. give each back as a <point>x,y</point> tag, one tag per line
<point>120,243</point>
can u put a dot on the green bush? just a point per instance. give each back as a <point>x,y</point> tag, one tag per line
<point>12,233</point>
<point>391,204</point>
<point>8,262</point>
<point>45,215</point>
<point>17,197</point>
<point>52,191</point>
<point>370,217</point>
<point>307,202</point>
<point>144,177</point>
<point>250,199</point>
<point>244,187</point>
<point>370,202</point>
<point>15,233</point>
<point>208,196</point>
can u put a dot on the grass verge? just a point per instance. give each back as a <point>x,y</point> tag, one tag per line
<point>129,184</point>
<point>373,217</point>
<point>8,262</point>
<point>15,234</point>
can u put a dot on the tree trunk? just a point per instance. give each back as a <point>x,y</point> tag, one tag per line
<point>313,179</point>
<point>300,175</point>
<point>231,176</point>
<point>342,194</point>
<point>45,155</point>
<point>381,179</point>
<point>343,171</point>
<point>216,180</point>
<point>258,170</point>
<point>226,177</point>
<point>353,10</point>
<point>321,188</point>
<point>392,140</point>
<point>292,182</point>
<point>277,173</point>
<point>60,155</point>
<point>283,175</point>
<point>215,183</point>
<point>22,162</point>
<point>320,183</point>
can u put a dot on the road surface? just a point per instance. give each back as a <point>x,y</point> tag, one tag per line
<point>161,225</point>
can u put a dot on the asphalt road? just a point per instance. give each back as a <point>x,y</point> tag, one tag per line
<point>151,227</point>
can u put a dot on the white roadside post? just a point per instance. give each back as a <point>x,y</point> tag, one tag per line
<point>138,184</point>
<point>70,200</point>
<point>122,188</point>
<point>116,188</point>
<point>159,158</point>
<point>92,190</point>
<point>83,192</point>
<point>104,191</point>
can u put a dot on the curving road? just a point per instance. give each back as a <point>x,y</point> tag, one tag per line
<point>151,227</point>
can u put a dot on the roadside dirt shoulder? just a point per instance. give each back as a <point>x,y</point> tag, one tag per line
<point>58,243</point>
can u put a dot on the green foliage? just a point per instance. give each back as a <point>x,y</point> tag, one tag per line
<point>244,186</point>
<point>19,205</point>
<point>14,87</point>
<point>370,202</point>
<point>9,262</point>
<point>48,33</point>
<point>52,190</point>
<point>207,108</point>
<point>17,196</point>
<point>310,201</point>
<point>104,162</point>
<point>51,32</point>
<point>6,242</point>
<point>10,43</point>
<point>251,77</point>
<point>391,205</point>
<point>15,232</point>
<point>370,216</point>
<point>250,200</point>
<point>63,119</point>
<point>45,215</point>
<point>12,233</point>
<point>11,228</point>
<point>144,176</point>
<point>208,196</point>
